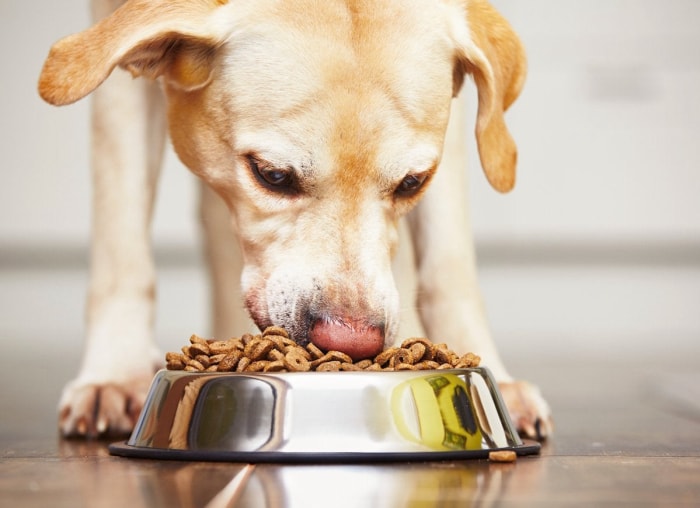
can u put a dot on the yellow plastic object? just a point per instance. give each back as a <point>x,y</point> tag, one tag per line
<point>436,411</point>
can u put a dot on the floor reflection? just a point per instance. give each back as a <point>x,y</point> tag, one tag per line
<point>477,483</point>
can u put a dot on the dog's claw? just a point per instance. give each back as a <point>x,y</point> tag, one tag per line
<point>538,428</point>
<point>81,428</point>
<point>543,428</point>
<point>94,410</point>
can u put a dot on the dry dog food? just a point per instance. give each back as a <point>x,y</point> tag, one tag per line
<point>503,456</point>
<point>274,351</point>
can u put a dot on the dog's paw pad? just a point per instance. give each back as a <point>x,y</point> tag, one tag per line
<point>528,409</point>
<point>94,410</point>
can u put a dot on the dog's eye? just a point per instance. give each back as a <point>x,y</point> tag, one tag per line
<point>273,178</point>
<point>411,184</point>
<point>276,177</point>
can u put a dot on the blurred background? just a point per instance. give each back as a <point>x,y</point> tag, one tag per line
<point>596,252</point>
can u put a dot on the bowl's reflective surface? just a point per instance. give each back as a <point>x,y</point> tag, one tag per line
<point>323,416</point>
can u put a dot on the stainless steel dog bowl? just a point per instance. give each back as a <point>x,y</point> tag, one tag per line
<point>323,417</point>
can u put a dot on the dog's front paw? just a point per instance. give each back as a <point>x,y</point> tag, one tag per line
<point>528,409</point>
<point>108,409</point>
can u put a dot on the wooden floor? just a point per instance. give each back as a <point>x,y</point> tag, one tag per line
<point>628,434</point>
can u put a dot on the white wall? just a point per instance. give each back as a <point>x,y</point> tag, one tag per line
<point>608,129</point>
<point>607,125</point>
<point>45,182</point>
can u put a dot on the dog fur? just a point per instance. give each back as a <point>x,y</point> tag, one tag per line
<point>319,124</point>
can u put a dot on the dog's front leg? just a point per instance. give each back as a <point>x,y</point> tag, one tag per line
<point>128,130</point>
<point>449,299</point>
<point>224,262</point>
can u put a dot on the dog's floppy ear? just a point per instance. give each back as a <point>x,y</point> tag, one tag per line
<point>493,54</point>
<point>172,38</point>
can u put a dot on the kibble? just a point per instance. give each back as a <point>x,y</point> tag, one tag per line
<point>274,351</point>
<point>502,456</point>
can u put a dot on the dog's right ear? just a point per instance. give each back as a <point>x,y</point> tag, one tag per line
<point>171,38</point>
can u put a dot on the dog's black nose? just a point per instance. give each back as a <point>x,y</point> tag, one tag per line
<point>356,338</point>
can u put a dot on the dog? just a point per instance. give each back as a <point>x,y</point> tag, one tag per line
<point>320,124</point>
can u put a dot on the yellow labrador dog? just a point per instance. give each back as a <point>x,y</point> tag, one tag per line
<point>320,123</point>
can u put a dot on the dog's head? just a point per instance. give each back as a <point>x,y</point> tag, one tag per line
<point>320,123</point>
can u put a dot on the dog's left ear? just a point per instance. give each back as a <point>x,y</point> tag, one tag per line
<point>490,50</point>
<point>171,38</point>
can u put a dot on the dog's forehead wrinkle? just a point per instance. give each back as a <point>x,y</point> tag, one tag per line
<point>256,66</point>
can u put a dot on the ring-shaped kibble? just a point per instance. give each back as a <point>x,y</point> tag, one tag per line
<point>203,359</point>
<point>276,366</point>
<point>243,364</point>
<point>279,343</point>
<point>216,359</point>
<point>230,361</point>
<point>275,355</point>
<point>417,351</point>
<point>221,346</point>
<point>172,356</point>
<point>195,365</point>
<point>257,366</point>
<point>385,355</point>
<point>237,343</point>
<point>197,349</point>
<point>258,348</point>
<point>315,352</point>
<point>332,366</point>
<point>301,350</point>
<point>467,361</point>
<point>402,356</point>
<point>363,364</point>
<point>296,362</point>
<point>275,330</point>
<point>175,365</point>
<point>443,356</point>
<point>318,361</point>
<point>407,343</point>
<point>196,339</point>
<point>338,356</point>
<point>427,365</point>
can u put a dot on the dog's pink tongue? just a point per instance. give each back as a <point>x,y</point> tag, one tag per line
<point>357,340</point>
